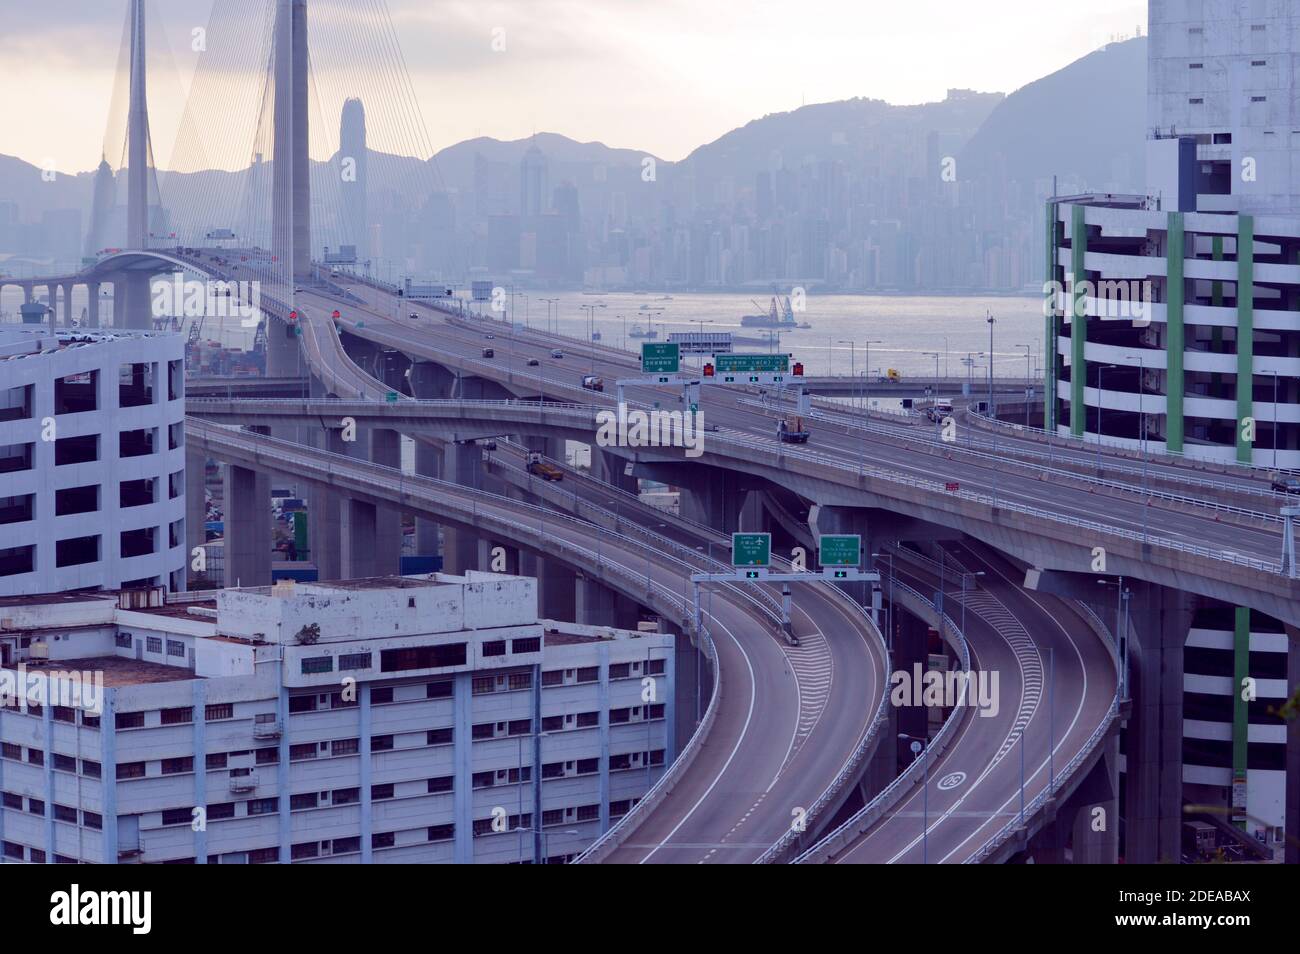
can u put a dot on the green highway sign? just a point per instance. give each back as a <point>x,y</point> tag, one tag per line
<point>839,550</point>
<point>751,549</point>
<point>391,397</point>
<point>661,358</point>
<point>755,363</point>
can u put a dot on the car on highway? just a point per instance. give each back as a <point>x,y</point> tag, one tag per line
<point>1286,484</point>
<point>490,337</point>
<point>489,353</point>
<point>557,353</point>
<point>533,362</point>
<point>593,383</point>
<point>414,316</point>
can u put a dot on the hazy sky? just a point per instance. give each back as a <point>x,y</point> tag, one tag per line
<point>660,75</point>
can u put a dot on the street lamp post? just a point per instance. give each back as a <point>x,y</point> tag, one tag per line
<point>1142,434</point>
<point>1029,376</point>
<point>853,357</point>
<point>992,410</point>
<point>918,747</point>
<point>1100,402</point>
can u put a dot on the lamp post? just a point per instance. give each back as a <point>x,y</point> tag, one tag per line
<point>1100,403</point>
<point>866,398</point>
<point>853,357</point>
<point>918,747</point>
<point>889,613</point>
<point>965,574</point>
<point>1029,376</point>
<point>991,322</point>
<point>1142,434</point>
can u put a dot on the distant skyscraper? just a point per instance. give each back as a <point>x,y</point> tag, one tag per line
<point>532,183</point>
<point>352,149</point>
<point>101,210</point>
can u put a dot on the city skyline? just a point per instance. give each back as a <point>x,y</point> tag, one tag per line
<point>687,76</point>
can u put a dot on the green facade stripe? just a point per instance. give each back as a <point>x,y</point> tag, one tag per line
<point>1240,709</point>
<point>1245,335</point>
<point>1174,335</point>
<point>1050,332</point>
<point>1078,326</point>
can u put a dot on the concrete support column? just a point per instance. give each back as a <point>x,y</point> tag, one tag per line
<point>712,497</point>
<point>92,304</point>
<point>283,355</point>
<point>359,532</point>
<point>556,596</point>
<point>428,463</point>
<point>196,510</point>
<point>326,521</point>
<point>594,603</point>
<point>1093,810</point>
<point>1292,819</point>
<point>610,468</point>
<point>386,449</point>
<point>462,463</point>
<point>248,527</point>
<point>136,301</point>
<point>68,315</point>
<point>1161,618</point>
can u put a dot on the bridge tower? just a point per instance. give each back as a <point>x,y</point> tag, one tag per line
<point>291,176</point>
<point>136,284</point>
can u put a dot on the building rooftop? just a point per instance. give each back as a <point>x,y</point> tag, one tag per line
<point>117,670</point>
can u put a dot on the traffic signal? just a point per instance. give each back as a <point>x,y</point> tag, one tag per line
<point>708,369</point>
<point>798,369</point>
<point>337,314</point>
<point>293,316</point>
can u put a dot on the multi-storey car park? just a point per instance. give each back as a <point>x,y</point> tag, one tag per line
<point>92,462</point>
<point>1209,368</point>
<point>415,719</point>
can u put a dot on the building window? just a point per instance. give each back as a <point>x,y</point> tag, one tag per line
<point>530,644</point>
<point>381,695</point>
<point>90,769</point>
<point>263,806</point>
<point>520,680</point>
<point>482,685</point>
<point>553,677</point>
<point>221,810</point>
<point>36,806</point>
<point>443,783</point>
<point>178,766</point>
<point>354,661</point>
<point>302,801</point>
<point>15,561</point>
<point>306,849</point>
<point>380,792</point>
<point>1259,99</point>
<point>65,813</point>
<point>383,839</point>
<point>442,689</point>
<point>301,752</point>
<point>345,747</point>
<point>179,716</point>
<point>153,644</point>
<point>76,551</point>
<point>345,796</point>
<point>588,813</point>
<point>442,832</point>
<point>588,674</point>
<point>440,736</point>
<point>122,640</point>
<point>219,711</point>
<point>317,664</point>
<point>496,647</point>
<point>264,856</point>
<point>267,756</point>
<point>1196,101</point>
<point>302,703</point>
<point>345,846</point>
<point>655,667</point>
<point>178,816</point>
<point>422,657</point>
<point>381,743</point>
<point>175,648</point>
<point>65,763</point>
<point>215,760</point>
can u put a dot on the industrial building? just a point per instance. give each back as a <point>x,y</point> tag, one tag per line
<point>405,719</point>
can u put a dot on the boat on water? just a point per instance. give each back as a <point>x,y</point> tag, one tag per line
<point>780,314</point>
<point>639,332</point>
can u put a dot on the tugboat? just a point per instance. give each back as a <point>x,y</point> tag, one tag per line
<point>639,332</point>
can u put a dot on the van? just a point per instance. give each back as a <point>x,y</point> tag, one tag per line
<point>593,383</point>
<point>557,353</point>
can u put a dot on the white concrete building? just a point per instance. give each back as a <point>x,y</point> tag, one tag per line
<point>92,462</point>
<point>416,719</point>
